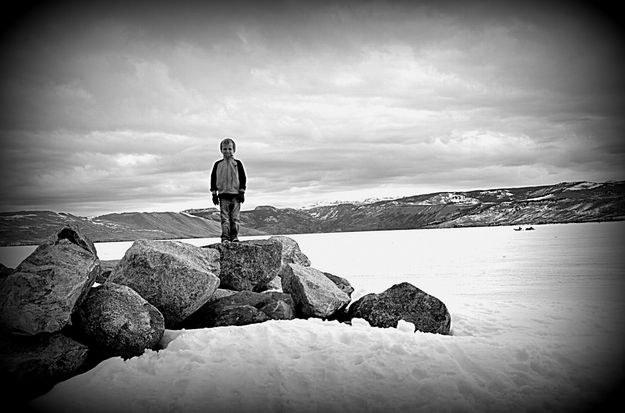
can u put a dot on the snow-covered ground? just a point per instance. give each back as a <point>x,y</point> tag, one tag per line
<point>537,318</point>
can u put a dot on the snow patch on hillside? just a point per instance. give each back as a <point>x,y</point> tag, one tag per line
<point>450,198</point>
<point>499,193</point>
<point>541,198</point>
<point>584,185</point>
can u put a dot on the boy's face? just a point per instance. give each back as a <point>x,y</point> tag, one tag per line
<point>227,150</point>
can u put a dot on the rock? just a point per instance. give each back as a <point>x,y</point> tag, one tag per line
<point>31,365</point>
<point>341,282</point>
<point>341,313</point>
<point>43,291</point>
<point>238,316</point>
<point>242,308</point>
<point>313,293</point>
<point>107,268</point>
<point>5,271</point>
<point>275,284</point>
<point>403,302</point>
<point>248,265</point>
<point>291,253</point>
<point>117,321</point>
<point>175,277</point>
<point>219,293</point>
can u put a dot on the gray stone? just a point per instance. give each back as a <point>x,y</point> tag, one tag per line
<point>5,271</point>
<point>314,294</point>
<point>238,316</point>
<point>31,365</point>
<point>275,284</point>
<point>43,291</point>
<point>107,268</point>
<point>341,282</point>
<point>248,265</point>
<point>175,277</point>
<point>219,293</point>
<point>241,308</point>
<point>117,321</point>
<point>291,253</point>
<point>403,302</point>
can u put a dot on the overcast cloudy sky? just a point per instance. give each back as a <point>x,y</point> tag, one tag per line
<point>114,108</point>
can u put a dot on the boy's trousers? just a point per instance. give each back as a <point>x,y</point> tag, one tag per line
<point>230,210</point>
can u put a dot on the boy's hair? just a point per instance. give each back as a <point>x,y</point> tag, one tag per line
<point>226,141</point>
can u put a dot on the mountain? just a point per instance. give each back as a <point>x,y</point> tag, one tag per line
<point>561,203</point>
<point>33,227</point>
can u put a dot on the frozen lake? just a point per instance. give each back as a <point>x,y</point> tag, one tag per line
<point>538,319</point>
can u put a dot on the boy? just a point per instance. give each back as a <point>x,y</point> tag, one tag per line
<point>228,183</point>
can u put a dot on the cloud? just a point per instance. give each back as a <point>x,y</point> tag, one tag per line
<point>118,107</point>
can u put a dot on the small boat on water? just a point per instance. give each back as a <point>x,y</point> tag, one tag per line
<point>518,229</point>
<point>529,229</point>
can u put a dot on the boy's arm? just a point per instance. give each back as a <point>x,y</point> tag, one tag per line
<point>242,176</point>
<point>213,188</point>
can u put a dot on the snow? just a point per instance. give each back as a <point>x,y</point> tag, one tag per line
<point>450,198</point>
<point>537,323</point>
<point>541,198</point>
<point>500,193</point>
<point>584,185</point>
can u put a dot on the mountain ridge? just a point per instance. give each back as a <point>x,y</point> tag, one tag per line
<point>564,202</point>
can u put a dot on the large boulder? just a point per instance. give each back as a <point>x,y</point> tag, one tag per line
<point>291,253</point>
<point>248,265</point>
<point>107,268</point>
<point>403,302</point>
<point>220,293</point>
<point>43,291</point>
<point>31,365</point>
<point>343,284</point>
<point>5,271</point>
<point>175,277</point>
<point>314,294</point>
<point>242,308</point>
<point>116,321</point>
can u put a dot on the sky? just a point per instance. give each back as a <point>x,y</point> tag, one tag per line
<point>109,107</point>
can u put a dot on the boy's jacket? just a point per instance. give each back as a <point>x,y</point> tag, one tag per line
<point>228,177</point>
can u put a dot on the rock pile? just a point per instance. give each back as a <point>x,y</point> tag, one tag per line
<point>63,310</point>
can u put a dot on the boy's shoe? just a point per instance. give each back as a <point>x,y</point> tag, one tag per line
<point>235,240</point>
<point>225,241</point>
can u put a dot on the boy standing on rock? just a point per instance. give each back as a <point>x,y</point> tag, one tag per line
<point>228,183</point>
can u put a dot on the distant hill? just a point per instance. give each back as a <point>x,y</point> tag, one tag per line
<point>561,203</point>
<point>33,227</point>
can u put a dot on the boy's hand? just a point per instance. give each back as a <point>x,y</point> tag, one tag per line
<point>241,197</point>
<point>215,199</point>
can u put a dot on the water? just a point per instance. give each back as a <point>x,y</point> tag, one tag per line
<point>462,258</point>
<point>564,262</point>
<point>538,318</point>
